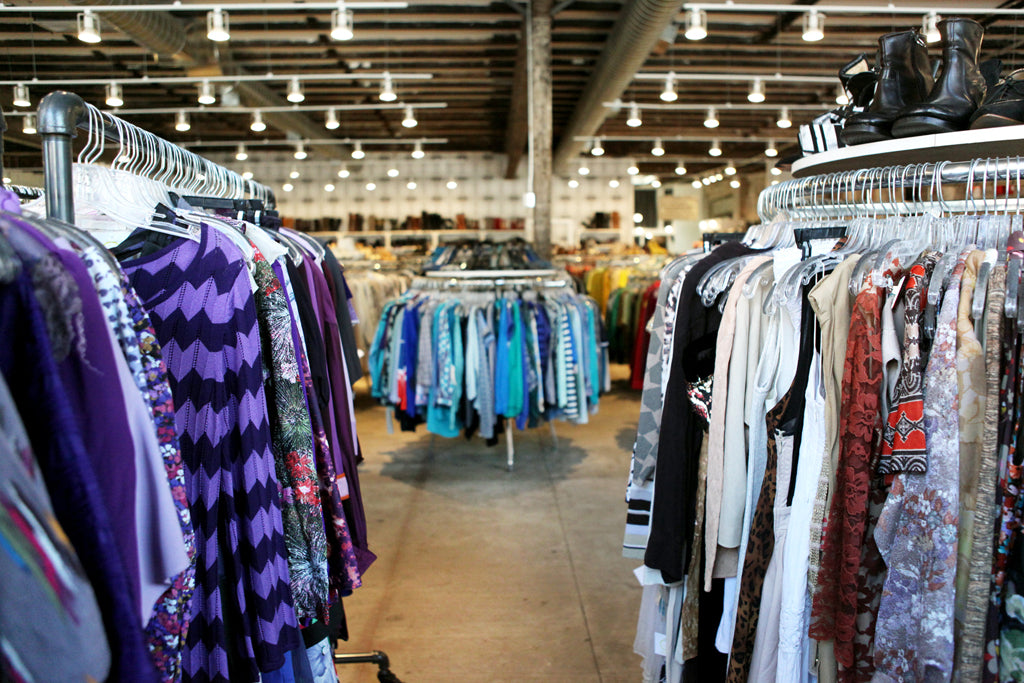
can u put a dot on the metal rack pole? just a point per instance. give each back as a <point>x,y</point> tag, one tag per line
<point>59,116</point>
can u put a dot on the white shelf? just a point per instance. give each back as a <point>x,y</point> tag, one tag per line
<point>959,146</point>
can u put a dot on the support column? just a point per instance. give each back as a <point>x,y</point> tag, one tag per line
<point>541,130</point>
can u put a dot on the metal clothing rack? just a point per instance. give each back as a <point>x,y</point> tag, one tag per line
<point>988,185</point>
<point>61,114</point>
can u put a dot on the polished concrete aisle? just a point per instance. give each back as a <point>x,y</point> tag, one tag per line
<point>485,575</point>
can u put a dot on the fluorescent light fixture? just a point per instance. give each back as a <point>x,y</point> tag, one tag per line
<point>89,27</point>
<point>814,26</point>
<point>669,94</point>
<point>294,173</point>
<point>371,186</point>
<point>784,121</point>
<point>613,183</point>
<point>658,149</point>
<point>409,121</point>
<point>206,95</point>
<point>332,119</point>
<point>696,24</point>
<point>295,94</point>
<point>287,187</point>
<point>387,89</point>
<point>771,150</point>
<point>573,183</point>
<point>21,96</point>
<point>342,23</point>
<point>930,28</point>
<point>411,184</point>
<point>716,148</point>
<point>598,149</point>
<point>417,150</point>
<point>756,94</point>
<point>241,154</point>
<point>392,173</point>
<point>257,125</point>
<point>343,172</point>
<point>584,169</point>
<point>217,28</point>
<point>634,116</point>
<point>300,151</point>
<point>29,126</point>
<point>842,98</point>
<point>633,170</point>
<point>181,122</point>
<point>680,168</point>
<point>711,118</point>
<point>115,98</point>
<point>357,151</point>
<point>329,187</point>
<point>451,184</point>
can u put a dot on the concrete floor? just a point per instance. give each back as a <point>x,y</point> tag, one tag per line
<point>487,575</point>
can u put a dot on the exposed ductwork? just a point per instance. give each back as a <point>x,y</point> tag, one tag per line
<point>165,35</point>
<point>634,35</point>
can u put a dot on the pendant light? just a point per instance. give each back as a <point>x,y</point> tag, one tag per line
<point>784,121</point>
<point>669,94</point>
<point>294,173</point>
<point>115,97</point>
<point>730,169</point>
<point>300,151</point>
<point>734,184</point>
<point>696,184</point>
<point>411,184</point>
<point>329,187</point>
<point>206,95</point>
<point>711,118</point>
<point>257,125</point>
<point>247,174</point>
<point>287,187</point>
<point>584,169</point>
<point>342,23</point>
<point>393,172</point>
<point>371,186</point>
<point>357,151</point>
<point>680,168</point>
<point>387,89</point>
<point>633,170</point>
<point>573,183</point>
<point>181,122</point>
<point>716,148</point>
<point>295,91</point>
<point>770,150</point>
<point>451,184</point>
<point>756,94</point>
<point>409,121</point>
<point>417,150</point>
<point>930,28</point>
<point>814,26</point>
<point>613,183</point>
<point>597,150</point>
<point>332,119</point>
<point>21,96</point>
<point>29,126</point>
<point>776,171</point>
<point>658,149</point>
<point>89,27</point>
<point>217,25</point>
<point>343,172</point>
<point>696,24</point>
<point>655,184</point>
<point>634,116</point>
<point>241,154</point>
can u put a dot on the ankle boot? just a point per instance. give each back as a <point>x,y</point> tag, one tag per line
<point>904,78</point>
<point>959,89</point>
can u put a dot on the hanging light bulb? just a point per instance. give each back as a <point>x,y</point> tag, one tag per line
<point>597,150</point>
<point>392,173</point>
<point>181,122</point>
<point>287,187</point>
<point>734,184</point>
<point>300,151</point>
<point>371,186</point>
<point>573,183</point>
<point>257,125</point>
<point>655,184</point>
<point>206,95</point>
<point>114,95</point>
<point>711,118</point>
<point>705,181</point>
<point>21,96</point>
<point>770,150</point>
<point>329,187</point>
<point>696,24</point>
<point>246,174</point>
<point>719,176</point>
<point>814,26</point>
<point>784,121</point>
<point>241,154</point>
<point>411,184</point>
<point>842,97</point>
<point>930,28</point>
<point>294,173</point>
<point>29,126</point>
<point>584,169</point>
<point>613,183</point>
<point>634,116</point>
<point>730,169</point>
<point>342,23</point>
<point>696,184</point>
<point>756,94</point>
<point>295,94</point>
<point>417,150</point>
<point>633,170</point>
<point>357,151</point>
<point>658,149</point>
<point>410,117</point>
<point>217,25</point>
<point>332,119</point>
<point>343,172</point>
<point>451,184</point>
<point>89,27</point>
<point>776,171</point>
<point>387,89</point>
<point>680,168</point>
<point>716,148</point>
<point>669,94</point>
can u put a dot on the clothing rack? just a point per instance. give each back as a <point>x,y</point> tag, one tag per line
<point>988,185</point>
<point>62,114</point>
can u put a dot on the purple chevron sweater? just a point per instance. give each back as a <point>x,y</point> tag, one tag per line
<point>202,307</point>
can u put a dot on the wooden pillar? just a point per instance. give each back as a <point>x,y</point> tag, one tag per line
<point>541,130</point>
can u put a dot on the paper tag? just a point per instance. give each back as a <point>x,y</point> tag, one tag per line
<point>660,644</point>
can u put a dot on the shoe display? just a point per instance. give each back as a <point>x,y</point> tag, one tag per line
<point>1003,105</point>
<point>959,89</point>
<point>904,79</point>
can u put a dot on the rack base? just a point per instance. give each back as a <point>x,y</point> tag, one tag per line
<point>377,657</point>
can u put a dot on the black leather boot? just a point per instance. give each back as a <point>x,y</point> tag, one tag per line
<point>904,78</point>
<point>959,89</point>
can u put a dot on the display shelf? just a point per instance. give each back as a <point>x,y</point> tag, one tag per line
<point>959,146</point>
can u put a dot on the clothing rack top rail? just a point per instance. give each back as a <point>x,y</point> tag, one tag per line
<point>988,185</point>
<point>61,114</point>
